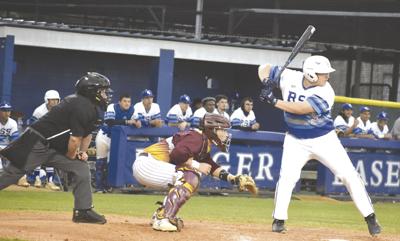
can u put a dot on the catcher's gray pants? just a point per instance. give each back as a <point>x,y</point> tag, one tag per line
<point>42,154</point>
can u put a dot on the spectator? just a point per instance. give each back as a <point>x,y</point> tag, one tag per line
<point>380,128</point>
<point>43,175</point>
<point>116,114</point>
<point>345,122</point>
<point>180,114</point>
<point>8,127</point>
<point>208,107</point>
<point>396,130</point>
<point>243,118</point>
<point>363,129</point>
<point>222,106</point>
<point>148,112</point>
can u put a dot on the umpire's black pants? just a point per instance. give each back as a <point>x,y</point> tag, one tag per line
<point>40,154</point>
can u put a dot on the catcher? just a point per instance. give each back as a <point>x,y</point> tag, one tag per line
<point>179,161</point>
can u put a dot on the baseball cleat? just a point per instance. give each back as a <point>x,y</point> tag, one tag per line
<point>278,226</point>
<point>164,225</point>
<point>23,182</point>
<point>38,182</point>
<point>52,186</point>
<point>373,226</point>
<point>158,214</point>
<point>88,216</point>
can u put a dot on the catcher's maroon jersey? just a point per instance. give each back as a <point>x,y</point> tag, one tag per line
<point>186,144</point>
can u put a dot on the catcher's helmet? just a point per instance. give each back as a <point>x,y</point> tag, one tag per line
<point>210,123</point>
<point>91,85</point>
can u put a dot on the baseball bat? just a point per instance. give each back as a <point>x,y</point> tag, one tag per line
<point>296,49</point>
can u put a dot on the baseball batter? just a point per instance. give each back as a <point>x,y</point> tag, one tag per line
<point>307,101</point>
<point>178,162</point>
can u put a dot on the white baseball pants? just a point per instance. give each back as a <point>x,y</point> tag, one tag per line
<point>329,151</point>
<point>153,173</point>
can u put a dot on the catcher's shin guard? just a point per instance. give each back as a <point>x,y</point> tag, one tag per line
<point>184,187</point>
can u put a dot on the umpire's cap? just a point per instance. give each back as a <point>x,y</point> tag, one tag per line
<point>5,106</point>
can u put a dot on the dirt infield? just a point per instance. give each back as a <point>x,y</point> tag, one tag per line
<point>54,226</point>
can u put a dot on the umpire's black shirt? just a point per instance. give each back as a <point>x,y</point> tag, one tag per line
<point>75,112</point>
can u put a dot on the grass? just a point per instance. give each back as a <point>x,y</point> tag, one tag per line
<point>307,212</point>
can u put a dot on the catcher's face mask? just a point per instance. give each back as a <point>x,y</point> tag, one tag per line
<point>224,138</point>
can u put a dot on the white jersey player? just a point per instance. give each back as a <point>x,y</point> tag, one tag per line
<point>222,105</point>
<point>208,107</point>
<point>379,128</point>
<point>147,112</point>
<point>51,98</point>
<point>307,101</point>
<point>39,175</point>
<point>8,127</point>
<point>363,129</point>
<point>345,123</point>
<point>180,114</point>
<point>243,118</point>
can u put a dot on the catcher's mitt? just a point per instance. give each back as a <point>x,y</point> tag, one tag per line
<point>246,183</point>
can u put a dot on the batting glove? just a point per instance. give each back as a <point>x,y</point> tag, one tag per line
<point>267,95</point>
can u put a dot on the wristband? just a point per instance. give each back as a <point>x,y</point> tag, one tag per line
<point>195,164</point>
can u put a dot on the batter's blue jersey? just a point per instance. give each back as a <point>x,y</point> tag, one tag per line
<point>114,112</point>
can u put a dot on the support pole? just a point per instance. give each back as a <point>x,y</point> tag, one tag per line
<point>199,19</point>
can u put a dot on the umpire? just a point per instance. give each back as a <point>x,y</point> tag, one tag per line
<point>60,139</point>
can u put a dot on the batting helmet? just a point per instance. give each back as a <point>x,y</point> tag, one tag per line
<point>5,106</point>
<point>91,85</point>
<point>147,93</point>
<point>51,94</point>
<point>185,99</point>
<point>314,65</point>
<point>210,123</point>
<point>382,116</point>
